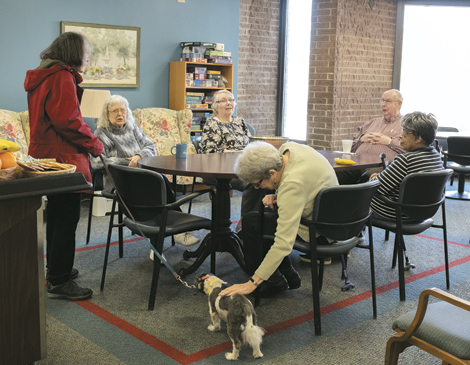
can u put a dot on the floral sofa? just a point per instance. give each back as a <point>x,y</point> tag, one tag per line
<point>165,128</point>
<point>15,127</point>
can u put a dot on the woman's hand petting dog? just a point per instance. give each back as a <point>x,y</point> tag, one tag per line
<point>245,288</point>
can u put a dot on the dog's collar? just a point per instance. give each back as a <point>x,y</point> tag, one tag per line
<point>211,283</point>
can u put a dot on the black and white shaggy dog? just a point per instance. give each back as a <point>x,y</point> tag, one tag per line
<point>236,310</point>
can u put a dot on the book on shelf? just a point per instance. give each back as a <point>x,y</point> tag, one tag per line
<point>196,60</point>
<point>193,55</point>
<point>189,76</point>
<point>190,93</point>
<point>213,77</point>
<point>194,50</point>
<point>199,44</point>
<point>196,70</point>
<point>194,100</point>
<point>219,57</point>
<point>197,106</point>
<point>201,114</point>
<point>218,60</point>
<point>213,72</point>
<point>199,76</point>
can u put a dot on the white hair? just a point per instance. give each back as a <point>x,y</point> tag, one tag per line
<point>103,120</point>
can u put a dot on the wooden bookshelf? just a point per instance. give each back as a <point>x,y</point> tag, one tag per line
<point>178,88</point>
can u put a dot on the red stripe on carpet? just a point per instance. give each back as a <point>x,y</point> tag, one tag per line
<point>226,346</point>
<point>134,331</point>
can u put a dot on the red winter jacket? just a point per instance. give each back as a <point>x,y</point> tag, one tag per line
<point>57,128</point>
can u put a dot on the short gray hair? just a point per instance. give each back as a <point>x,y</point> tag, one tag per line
<point>103,120</point>
<point>421,125</point>
<point>256,160</point>
<point>215,99</point>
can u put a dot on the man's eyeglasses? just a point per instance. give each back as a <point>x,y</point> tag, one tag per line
<point>225,101</point>
<point>258,184</point>
<point>116,111</point>
<point>388,101</point>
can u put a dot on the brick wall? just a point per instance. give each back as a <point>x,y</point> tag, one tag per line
<point>257,64</point>
<point>350,67</point>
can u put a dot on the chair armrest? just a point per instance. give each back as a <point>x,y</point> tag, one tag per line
<point>422,306</point>
<point>189,197</point>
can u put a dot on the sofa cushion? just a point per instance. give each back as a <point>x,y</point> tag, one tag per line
<point>166,128</point>
<point>12,130</point>
<point>24,116</point>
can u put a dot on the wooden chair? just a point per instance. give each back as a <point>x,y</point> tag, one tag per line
<point>442,329</point>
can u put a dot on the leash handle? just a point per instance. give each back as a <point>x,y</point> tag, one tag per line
<point>160,257</point>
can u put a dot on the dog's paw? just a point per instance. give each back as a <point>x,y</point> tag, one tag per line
<point>213,328</point>
<point>257,354</point>
<point>230,356</point>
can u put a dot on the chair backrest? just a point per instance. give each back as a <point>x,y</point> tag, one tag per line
<point>459,146</point>
<point>447,129</point>
<point>141,190</point>
<point>423,193</point>
<point>251,129</point>
<point>341,211</point>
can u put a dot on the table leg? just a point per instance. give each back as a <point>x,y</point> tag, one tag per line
<point>224,239</point>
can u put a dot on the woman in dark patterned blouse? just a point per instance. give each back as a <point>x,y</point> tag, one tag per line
<point>222,131</point>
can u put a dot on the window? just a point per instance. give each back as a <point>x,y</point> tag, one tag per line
<point>435,71</point>
<point>296,72</point>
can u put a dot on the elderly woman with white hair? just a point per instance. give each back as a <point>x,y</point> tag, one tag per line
<point>223,131</point>
<point>297,173</point>
<point>125,144</point>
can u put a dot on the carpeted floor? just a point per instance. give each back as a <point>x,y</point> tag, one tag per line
<point>115,327</point>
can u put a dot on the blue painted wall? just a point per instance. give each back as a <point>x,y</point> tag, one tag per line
<point>27,27</point>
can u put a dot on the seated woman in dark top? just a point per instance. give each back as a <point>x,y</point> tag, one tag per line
<point>419,131</point>
<point>224,132</point>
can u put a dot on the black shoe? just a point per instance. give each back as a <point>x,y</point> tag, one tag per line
<point>293,279</point>
<point>268,288</point>
<point>73,274</point>
<point>68,290</point>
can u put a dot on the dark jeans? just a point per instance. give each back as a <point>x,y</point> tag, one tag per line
<point>62,215</point>
<point>253,252</point>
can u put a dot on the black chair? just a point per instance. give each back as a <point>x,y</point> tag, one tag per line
<point>443,141</point>
<point>144,194</point>
<point>339,213</point>
<point>421,194</point>
<point>457,158</point>
<point>95,173</point>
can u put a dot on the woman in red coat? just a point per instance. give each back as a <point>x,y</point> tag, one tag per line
<point>58,131</point>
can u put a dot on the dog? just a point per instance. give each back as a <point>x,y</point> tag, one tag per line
<point>236,310</point>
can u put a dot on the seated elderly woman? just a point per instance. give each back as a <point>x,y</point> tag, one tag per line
<point>124,144</point>
<point>419,132</point>
<point>224,132</point>
<point>297,173</point>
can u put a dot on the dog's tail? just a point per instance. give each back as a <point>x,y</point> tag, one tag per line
<point>252,334</point>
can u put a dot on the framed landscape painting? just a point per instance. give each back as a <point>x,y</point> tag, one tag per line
<point>115,60</point>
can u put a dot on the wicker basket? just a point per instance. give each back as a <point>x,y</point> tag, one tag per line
<point>7,174</point>
<point>29,174</point>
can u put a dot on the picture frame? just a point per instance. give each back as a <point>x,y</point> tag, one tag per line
<point>115,60</point>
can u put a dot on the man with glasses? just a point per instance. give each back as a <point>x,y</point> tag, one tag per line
<point>377,136</point>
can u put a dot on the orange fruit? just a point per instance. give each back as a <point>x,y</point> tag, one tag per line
<point>8,160</point>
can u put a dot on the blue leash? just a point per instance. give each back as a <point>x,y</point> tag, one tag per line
<point>160,257</point>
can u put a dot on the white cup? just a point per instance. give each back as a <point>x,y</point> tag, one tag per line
<point>347,144</point>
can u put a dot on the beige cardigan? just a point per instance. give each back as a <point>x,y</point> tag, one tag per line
<point>306,173</point>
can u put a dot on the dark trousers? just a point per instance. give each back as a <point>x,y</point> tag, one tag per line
<point>62,215</point>
<point>253,253</point>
